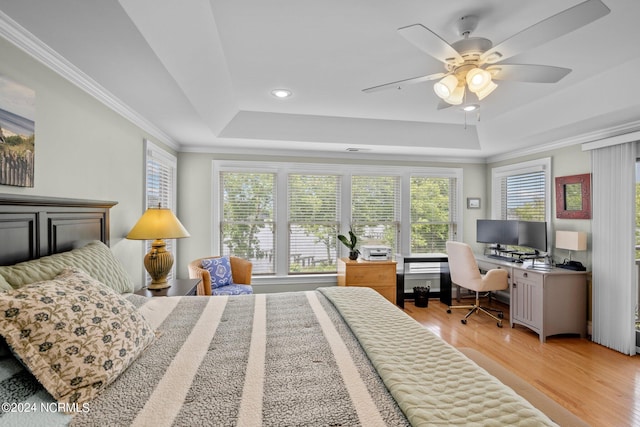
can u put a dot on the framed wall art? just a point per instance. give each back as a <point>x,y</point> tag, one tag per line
<point>573,196</point>
<point>17,133</point>
<point>473,202</point>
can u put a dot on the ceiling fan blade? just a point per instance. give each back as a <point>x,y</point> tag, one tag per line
<point>431,43</point>
<point>442,105</point>
<point>527,73</point>
<point>547,30</point>
<point>402,83</point>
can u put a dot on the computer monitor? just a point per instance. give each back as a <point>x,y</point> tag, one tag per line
<point>497,231</point>
<point>533,234</point>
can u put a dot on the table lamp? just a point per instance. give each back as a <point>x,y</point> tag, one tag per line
<point>573,241</point>
<point>157,224</point>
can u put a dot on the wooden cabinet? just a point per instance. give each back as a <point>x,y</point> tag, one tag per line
<point>378,275</point>
<point>526,300</point>
<point>550,303</point>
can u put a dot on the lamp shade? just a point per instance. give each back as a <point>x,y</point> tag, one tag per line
<point>478,79</point>
<point>445,87</point>
<point>483,93</point>
<point>457,96</point>
<point>571,240</point>
<point>157,223</point>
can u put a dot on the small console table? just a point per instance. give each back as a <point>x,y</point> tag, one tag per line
<point>442,262</point>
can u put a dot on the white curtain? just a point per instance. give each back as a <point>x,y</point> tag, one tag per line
<point>613,243</point>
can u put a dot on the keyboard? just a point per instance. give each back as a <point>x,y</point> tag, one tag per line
<point>502,258</point>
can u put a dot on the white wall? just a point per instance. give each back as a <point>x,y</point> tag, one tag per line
<point>82,150</point>
<point>564,162</point>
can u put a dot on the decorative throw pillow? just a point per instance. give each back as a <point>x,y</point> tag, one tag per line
<point>4,285</point>
<point>220,270</point>
<point>73,333</point>
<point>95,258</point>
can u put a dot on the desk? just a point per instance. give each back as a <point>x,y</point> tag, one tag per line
<point>179,287</point>
<point>442,262</point>
<point>549,302</point>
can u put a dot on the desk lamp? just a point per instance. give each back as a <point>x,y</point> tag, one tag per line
<point>157,224</point>
<point>573,241</point>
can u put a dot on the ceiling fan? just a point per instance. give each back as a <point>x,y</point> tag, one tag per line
<point>473,63</point>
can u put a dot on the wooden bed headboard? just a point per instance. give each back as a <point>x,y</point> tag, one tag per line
<point>32,226</point>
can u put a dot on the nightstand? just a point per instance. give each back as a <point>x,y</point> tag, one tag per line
<point>178,288</point>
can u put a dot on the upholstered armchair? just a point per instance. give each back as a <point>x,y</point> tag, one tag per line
<point>222,275</point>
<point>465,272</point>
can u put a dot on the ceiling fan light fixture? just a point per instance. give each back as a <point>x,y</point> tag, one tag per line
<point>478,79</point>
<point>470,107</point>
<point>486,91</point>
<point>445,87</point>
<point>457,96</point>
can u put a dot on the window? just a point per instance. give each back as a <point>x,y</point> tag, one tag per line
<point>285,217</point>
<point>248,218</point>
<point>314,219</point>
<point>522,191</point>
<point>375,209</point>
<point>433,213</point>
<point>161,169</point>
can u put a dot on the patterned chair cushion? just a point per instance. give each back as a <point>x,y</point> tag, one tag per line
<point>220,270</point>
<point>73,333</point>
<point>233,290</point>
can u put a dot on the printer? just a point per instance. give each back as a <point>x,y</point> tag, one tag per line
<point>375,252</point>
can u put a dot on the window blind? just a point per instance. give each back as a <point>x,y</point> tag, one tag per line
<point>523,196</point>
<point>286,216</point>
<point>248,218</point>
<point>375,209</point>
<point>313,210</point>
<point>434,213</point>
<point>160,188</point>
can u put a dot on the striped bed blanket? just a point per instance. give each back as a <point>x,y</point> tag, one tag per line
<point>332,357</point>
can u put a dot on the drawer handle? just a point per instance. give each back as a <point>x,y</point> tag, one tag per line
<point>525,275</point>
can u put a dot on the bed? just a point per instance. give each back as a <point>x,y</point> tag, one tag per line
<point>333,357</point>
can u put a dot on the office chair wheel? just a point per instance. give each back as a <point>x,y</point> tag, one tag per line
<point>499,324</point>
<point>463,321</point>
<point>449,311</point>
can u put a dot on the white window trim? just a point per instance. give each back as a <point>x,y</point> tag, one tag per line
<point>346,171</point>
<point>499,172</point>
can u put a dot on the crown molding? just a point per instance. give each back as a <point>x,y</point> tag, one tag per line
<point>31,45</point>
<point>566,142</point>
<point>262,152</point>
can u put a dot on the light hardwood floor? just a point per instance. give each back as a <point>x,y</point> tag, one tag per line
<point>599,385</point>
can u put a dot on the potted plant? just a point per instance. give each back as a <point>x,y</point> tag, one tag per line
<point>351,244</point>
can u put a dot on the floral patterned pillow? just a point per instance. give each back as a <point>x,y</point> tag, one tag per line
<point>220,271</point>
<point>73,333</point>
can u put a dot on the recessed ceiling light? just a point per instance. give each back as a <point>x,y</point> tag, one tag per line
<point>281,93</point>
<point>471,107</point>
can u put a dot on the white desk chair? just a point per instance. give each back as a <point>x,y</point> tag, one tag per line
<point>465,272</point>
